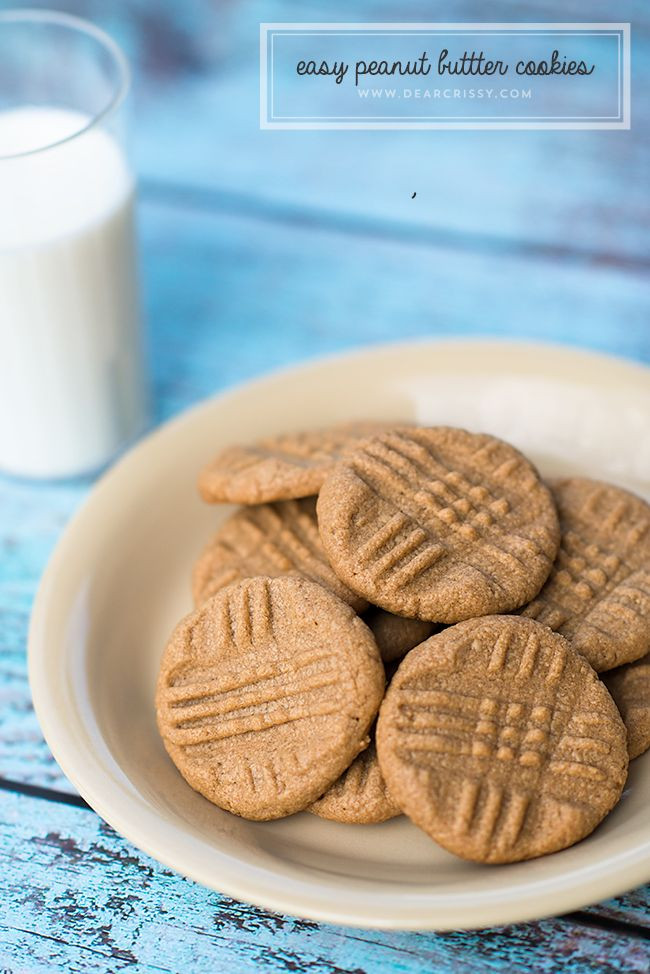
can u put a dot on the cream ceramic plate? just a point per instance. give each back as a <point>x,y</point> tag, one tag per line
<point>119,581</point>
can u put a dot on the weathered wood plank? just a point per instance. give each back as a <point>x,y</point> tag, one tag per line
<point>78,897</point>
<point>632,907</point>
<point>32,516</point>
<point>254,297</point>
<point>196,85</point>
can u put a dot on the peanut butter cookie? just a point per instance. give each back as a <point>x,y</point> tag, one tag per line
<point>268,539</point>
<point>266,694</point>
<point>281,467</point>
<point>499,741</point>
<point>359,796</point>
<point>629,685</point>
<point>395,635</point>
<point>439,524</point>
<point>598,593</point>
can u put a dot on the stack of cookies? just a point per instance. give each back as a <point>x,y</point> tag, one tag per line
<point>409,620</point>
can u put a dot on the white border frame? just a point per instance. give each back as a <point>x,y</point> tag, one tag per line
<point>624,123</point>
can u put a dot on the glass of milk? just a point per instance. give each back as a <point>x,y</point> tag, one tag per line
<point>72,376</point>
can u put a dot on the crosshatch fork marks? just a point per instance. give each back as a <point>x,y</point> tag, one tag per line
<point>360,795</point>
<point>281,467</point>
<point>492,728</point>
<point>268,539</point>
<point>509,740</point>
<point>498,818</point>
<point>249,693</point>
<point>267,693</point>
<point>464,497</point>
<point>439,524</point>
<point>228,704</point>
<point>242,675</point>
<point>462,517</point>
<point>262,720</point>
<point>245,622</point>
<point>598,592</point>
<point>585,572</point>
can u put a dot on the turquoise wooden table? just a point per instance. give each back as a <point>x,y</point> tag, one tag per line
<point>262,248</point>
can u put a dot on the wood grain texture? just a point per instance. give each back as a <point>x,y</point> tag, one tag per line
<point>31,518</point>
<point>632,907</point>
<point>77,897</point>
<point>296,292</point>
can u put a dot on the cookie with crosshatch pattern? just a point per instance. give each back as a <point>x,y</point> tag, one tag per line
<point>281,467</point>
<point>439,524</point>
<point>272,540</point>
<point>360,795</point>
<point>266,694</point>
<point>499,741</point>
<point>598,593</point>
<point>629,685</point>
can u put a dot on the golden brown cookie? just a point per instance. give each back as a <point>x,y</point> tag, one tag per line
<point>629,685</point>
<point>598,593</point>
<point>500,742</point>
<point>439,524</point>
<point>395,635</point>
<point>281,467</point>
<point>268,539</point>
<point>266,694</point>
<point>360,796</point>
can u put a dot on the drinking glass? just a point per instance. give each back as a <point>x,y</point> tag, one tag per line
<point>73,389</point>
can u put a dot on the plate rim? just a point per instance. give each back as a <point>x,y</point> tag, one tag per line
<point>608,877</point>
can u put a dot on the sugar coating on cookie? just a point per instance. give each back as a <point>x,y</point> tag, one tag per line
<point>268,539</point>
<point>282,467</point>
<point>396,635</point>
<point>359,796</point>
<point>439,524</point>
<point>629,686</point>
<point>266,694</point>
<point>598,593</point>
<point>500,742</point>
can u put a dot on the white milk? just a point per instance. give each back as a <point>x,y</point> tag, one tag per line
<point>71,372</point>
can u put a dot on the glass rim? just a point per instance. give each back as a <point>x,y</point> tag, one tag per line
<point>80,26</point>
